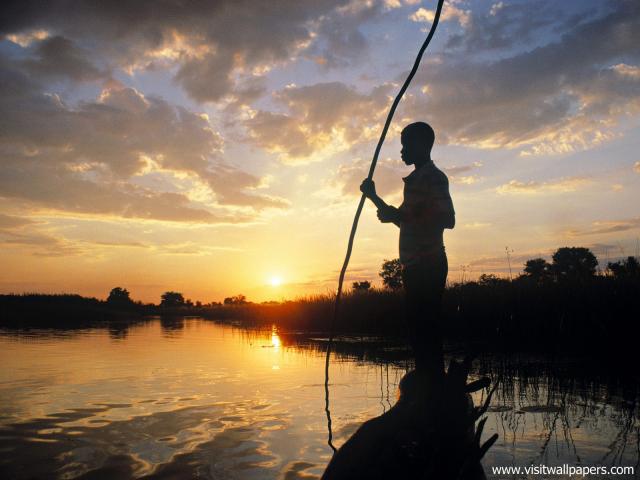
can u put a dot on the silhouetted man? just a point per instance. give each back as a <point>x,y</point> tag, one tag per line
<point>425,212</point>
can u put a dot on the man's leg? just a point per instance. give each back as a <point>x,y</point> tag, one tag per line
<point>430,334</point>
<point>411,280</point>
<point>424,287</point>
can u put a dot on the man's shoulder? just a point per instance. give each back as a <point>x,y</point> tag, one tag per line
<point>426,178</point>
<point>433,175</point>
<point>439,173</point>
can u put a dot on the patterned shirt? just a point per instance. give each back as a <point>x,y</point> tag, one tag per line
<point>426,211</point>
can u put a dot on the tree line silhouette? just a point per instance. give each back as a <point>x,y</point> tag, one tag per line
<point>568,264</point>
<point>563,303</point>
<point>121,297</point>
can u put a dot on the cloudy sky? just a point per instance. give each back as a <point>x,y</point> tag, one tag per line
<point>210,146</point>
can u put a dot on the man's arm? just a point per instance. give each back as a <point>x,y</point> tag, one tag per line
<point>386,213</point>
<point>443,212</point>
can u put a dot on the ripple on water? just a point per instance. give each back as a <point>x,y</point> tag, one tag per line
<point>208,404</point>
<point>186,440</point>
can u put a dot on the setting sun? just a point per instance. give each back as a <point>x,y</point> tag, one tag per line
<point>275,281</point>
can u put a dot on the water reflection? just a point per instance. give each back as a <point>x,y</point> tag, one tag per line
<point>275,339</point>
<point>118,331</point>
<point>190,398</point>
<point>172,326</point>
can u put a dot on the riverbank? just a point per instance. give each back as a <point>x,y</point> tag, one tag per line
<point>600,312</point>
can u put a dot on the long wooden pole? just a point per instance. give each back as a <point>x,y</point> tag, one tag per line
<point>354,226</point>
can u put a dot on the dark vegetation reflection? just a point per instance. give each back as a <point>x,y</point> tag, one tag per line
<point>557,395</point>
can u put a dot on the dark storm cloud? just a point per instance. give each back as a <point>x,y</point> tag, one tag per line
<point>565,94</point>
<point>83,158</point>
<point>114,131</point>
<point>341,42</point>
<point>317,115</point>
<point>210,40</point>
<point>56,188</point>
<point>511,24</point>
<point>60,57</point>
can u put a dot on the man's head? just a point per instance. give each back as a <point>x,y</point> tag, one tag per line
<point>417,140</point>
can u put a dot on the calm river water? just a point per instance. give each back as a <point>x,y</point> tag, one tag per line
<point>195,399</point>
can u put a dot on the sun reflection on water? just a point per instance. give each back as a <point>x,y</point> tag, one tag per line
<point>275,339</point>
<point>214,401</point>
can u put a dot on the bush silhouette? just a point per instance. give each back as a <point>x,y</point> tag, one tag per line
<point>537,269</point>
<point>172,299</point>
<point>625,268</point>
<point>237,300</point>
<point>119,296</point>
<point>391,274</point>
<point>361,286</point>
<point>574,263</point>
